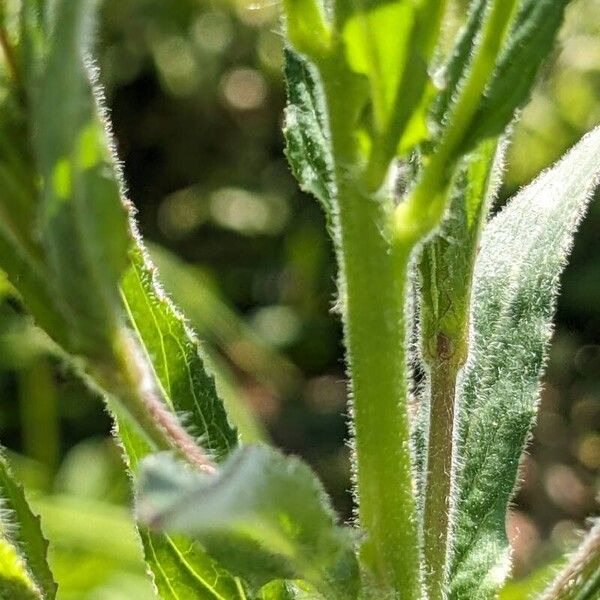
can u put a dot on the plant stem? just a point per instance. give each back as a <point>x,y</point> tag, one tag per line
<point>446,269</point>
<point>373,288</point>
<point>436,513</point>
<point>131,381</point>
<point>424,208</point>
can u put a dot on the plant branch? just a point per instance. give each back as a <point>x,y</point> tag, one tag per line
<point>446,270</point>
<point>131,381</point>
<point>580,578</point>
<point>424,207</point>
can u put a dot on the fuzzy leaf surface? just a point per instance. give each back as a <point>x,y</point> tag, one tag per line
<point>529,43</point>
<point>263,516</point>
<point>522,253</point>
<point>458,62</point>
<point>181,569</point>
<point>175,356</point>
<point>308,148</point>
<point>84,221</point>
<point>23,550</point>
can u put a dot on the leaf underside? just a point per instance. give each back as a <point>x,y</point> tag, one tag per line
<point>522,254</point>
<point>263,516</point>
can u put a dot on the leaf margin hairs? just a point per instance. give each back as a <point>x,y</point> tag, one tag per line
<point>471,569</point>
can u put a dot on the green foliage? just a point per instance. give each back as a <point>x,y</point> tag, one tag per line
<point>406,175</point>
<point>84,222</point>
<point>308,146</point>
<point>24,571</point>
<point>175,358</point>
<point>264,517</point>
<point>522,253</point>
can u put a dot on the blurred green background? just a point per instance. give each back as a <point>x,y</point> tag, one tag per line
<point>196,96</point>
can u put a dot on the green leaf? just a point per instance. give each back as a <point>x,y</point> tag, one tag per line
<point>376,37</point>
<point>306,131</point>
<point>174,354</point>
<point>529,43</point>
<point>288,590</point>
<point>181,569</point>
<point>15,581</point>
<point>451,74</point>
<point>84,221</point>
<point>23,549</point>
<point>522,253</point>
<point>263,516</point>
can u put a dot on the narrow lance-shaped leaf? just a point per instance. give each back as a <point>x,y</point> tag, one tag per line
<point>174,354</point>
<point>263,516</point>
<point>84,222</point>
<point>24,571</point>
<point>529,43</point>
<point>450,75</point>
<point>306,131</point>
<point>522,254</point>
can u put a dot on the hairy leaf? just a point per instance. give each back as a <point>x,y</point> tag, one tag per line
<point>522,254</point>
<point>263,516</point>
<point>15,581</point>
<point>175,356</point>
<point>23,549</point>
<point>181,569</point>
<point>529,42</point>
<point>306,131</point>
<point>450,76</point>
<point>84,221</point>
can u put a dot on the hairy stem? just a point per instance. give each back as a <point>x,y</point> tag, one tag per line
<point>436,513</point>
<point>373,289</point>
<point>446,270</point>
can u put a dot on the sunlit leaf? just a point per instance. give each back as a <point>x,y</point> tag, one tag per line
<point>529,43</point>
<point>175,356</point>
<point>522,254</point>
<point>308,145</point>
<point>376,37</point>
<point>263,516</point>
<point>84,221</point>
<point>181,569</point>
<point>23,549</point>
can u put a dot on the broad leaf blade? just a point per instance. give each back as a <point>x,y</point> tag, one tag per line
<point>174,353</point>
<point>264,517</point>
<point>306,131</point>
<point>84,221</point>
<point>23,548</point>
<point>180,568</point>
<point>523,252</point>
